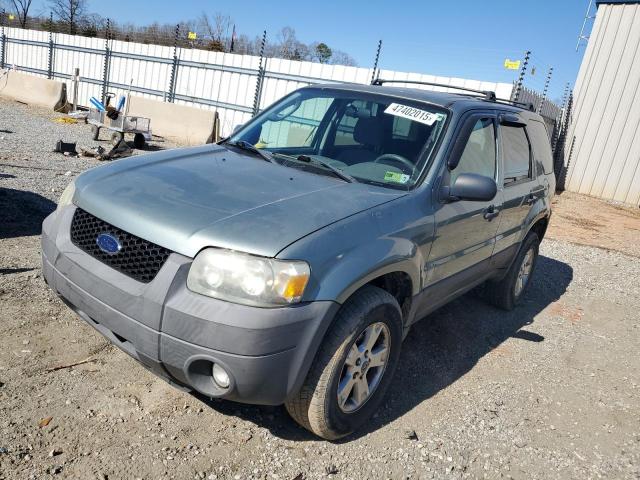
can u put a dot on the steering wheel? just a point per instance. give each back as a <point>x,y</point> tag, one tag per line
<point>392,157</point>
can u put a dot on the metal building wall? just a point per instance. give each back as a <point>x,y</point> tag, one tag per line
<point>603,144</point>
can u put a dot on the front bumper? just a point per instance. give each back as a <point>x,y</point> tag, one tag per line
<point>178,334</point>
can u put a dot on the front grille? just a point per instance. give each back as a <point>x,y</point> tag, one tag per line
<point>138,258</point>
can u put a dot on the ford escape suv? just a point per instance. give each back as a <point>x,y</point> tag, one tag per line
<point>287,263</point>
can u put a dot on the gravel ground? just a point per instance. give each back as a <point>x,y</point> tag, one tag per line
<point>550,390</point>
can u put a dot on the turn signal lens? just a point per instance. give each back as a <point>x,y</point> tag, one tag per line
<point>294,288</point>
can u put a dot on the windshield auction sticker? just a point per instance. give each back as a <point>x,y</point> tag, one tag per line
<point>411,113</point>
<point>396,177</point>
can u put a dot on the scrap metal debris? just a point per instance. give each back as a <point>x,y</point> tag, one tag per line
<point>78,115</point>
<point>121,150</point>
<point>66,148</point>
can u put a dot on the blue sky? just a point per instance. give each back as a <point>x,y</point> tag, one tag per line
<point>464,38</point>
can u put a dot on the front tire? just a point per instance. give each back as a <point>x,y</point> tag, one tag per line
<point>509,292</point>
<point>353,368</point>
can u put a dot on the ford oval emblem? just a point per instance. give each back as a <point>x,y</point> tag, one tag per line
<point>108,243</point>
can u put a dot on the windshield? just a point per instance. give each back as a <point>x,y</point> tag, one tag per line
<point>368,138</point>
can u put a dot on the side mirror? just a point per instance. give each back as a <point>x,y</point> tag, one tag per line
<point>471,186</point>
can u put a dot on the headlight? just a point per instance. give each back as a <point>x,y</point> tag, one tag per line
<point>67,195</point>
<point>246,279</point>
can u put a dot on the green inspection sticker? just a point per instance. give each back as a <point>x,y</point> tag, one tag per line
<point>396,177</point>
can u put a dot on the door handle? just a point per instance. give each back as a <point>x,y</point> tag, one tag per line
<point>491,212</point>
<point>530,199</point>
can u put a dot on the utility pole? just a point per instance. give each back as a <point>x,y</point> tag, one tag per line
<point>587,16</point>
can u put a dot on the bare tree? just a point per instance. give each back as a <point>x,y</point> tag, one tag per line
<point>339,57</point>
<point>68,12</point>
<point>288,42</point>
<point>22,10</point>
<point>215,27</point>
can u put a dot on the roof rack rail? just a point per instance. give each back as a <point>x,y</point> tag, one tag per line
<point>486,94</point>
<point>526,105</point>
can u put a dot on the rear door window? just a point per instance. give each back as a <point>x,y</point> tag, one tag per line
<point>541,145</point>
<point>516,153</point>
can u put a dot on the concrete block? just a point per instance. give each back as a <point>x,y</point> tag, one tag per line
<point>33,90</point>
<point>181,123</point>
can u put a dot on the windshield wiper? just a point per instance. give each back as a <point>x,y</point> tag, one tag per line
<point>336,171</point>
<point>246,146</point>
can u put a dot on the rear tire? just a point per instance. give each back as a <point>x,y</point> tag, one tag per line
<point>508,292</point>
<point>362,345</point>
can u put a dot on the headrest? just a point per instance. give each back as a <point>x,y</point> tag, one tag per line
<point>369,131</point>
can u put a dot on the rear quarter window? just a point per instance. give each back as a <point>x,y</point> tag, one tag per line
<point>541,145</point>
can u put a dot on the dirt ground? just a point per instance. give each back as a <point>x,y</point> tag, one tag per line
<point>589,221</point>
<point>550,390</point>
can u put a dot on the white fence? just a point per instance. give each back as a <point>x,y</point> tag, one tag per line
<point>237,86</point>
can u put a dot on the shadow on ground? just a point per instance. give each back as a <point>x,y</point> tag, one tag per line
<point>22,213</point>
<point>438,351</point>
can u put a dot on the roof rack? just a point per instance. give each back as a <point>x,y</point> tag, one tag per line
<point>526,105</point>
<point>486,94</point>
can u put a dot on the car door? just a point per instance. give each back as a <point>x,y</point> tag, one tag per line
<point>466,230</point>
<point>520,187</point>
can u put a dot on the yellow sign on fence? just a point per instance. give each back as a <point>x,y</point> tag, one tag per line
<point>192,36</point>
<point>512,64</point>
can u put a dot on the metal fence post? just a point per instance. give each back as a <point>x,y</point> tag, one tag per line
<point>375,63</point>
<point>3,39</point>
<point>523,70</point>
<point>107,62</point>
<point>51,48</point>
<point>544,91</point>
<point>559,120</point>
<point>559,167</point>
<point>174,68</point>
<point>260,80</point>
<point>76,81</point>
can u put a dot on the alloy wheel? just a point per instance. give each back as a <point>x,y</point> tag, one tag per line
<point>364,367</point>
<point>524,272</point>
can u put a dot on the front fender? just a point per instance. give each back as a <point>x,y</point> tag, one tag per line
<point>360,266</point>
<point>350,253</point>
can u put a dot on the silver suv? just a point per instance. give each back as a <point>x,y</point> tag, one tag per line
<point>287,263</point>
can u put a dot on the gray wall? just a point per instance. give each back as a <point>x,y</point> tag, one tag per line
<point>603,145</point>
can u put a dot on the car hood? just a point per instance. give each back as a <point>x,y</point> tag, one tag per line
<point>188,199</point>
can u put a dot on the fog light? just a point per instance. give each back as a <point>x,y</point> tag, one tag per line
<point>220,376</point>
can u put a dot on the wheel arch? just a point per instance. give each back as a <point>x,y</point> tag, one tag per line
<point>539,227</point>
